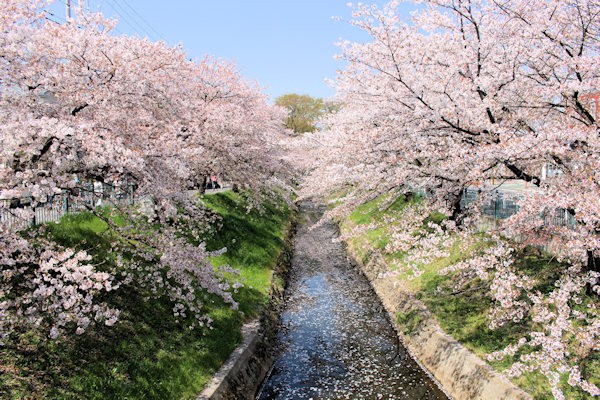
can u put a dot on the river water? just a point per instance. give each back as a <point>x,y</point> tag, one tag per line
<point>335,341</point>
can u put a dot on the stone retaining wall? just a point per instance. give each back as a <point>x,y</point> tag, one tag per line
<point>462,374</point>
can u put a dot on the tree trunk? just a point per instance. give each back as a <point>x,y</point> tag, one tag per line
<point>202,188</point>
<point>593,264</point>
<point>456,208</point>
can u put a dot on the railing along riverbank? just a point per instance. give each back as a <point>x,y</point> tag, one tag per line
<point>22,212</point>
<point>503,202</point>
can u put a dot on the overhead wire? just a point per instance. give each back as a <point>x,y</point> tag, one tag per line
<point>60,19</point>
<point>126,17</point>
<point>122,19</point>
<point>56,17</point>
<point>53,20</point>
<point>133,19</point>
<point>158,34</point>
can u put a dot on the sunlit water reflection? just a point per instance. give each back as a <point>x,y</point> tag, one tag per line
<point>335,339</point>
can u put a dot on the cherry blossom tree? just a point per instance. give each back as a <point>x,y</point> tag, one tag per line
<point>80,104</point>
<point>467,91</point>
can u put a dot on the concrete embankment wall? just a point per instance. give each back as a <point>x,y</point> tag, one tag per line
<point>245,369</point>
<point>462,374</point>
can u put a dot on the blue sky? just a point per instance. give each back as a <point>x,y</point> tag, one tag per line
<point>288,46</point>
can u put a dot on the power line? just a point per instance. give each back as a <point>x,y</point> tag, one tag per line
<point>159,36</point>
<point>122,18</point>
<point>126,17</point>
<point>52,20</point>
<point>134,20</point>
<point>58,17</point>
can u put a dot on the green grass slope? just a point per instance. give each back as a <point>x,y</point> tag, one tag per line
<point>147,354</point>
<point>462,313</point>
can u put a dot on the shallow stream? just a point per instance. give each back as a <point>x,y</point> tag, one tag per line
<point>335,340</point>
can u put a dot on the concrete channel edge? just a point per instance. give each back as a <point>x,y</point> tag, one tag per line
<point>460,373</point>
<point>247,366</point>
<point>238,360</point>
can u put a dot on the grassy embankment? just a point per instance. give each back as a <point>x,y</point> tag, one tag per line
<point>147,355</point>
<point>463,314</point>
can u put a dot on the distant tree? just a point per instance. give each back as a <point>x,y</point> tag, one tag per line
<point>303,111</point>
<point>331,106</point>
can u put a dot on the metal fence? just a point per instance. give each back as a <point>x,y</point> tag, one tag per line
<point>499,205</point>
<point>503,203</point>
<point>23,211</point>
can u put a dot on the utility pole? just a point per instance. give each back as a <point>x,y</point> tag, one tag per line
<point>83,6</point>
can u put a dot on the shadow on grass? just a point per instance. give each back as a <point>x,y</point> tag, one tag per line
<point>463,314</point>
<point>257,228</point>
<point>148,354</point>
<point>80,231</point>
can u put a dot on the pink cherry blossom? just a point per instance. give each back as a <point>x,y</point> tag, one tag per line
<point>465,95</point>
<point>79,104</point>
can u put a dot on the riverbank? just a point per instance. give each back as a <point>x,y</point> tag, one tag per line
<point>425,303</point>
<point>462,374</point>
<point>247,366</point>
<point>148,354</point>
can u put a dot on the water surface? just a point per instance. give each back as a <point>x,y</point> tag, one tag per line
<point>335,339</point>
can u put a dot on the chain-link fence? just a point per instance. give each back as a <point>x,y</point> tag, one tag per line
<point>499,204</point>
